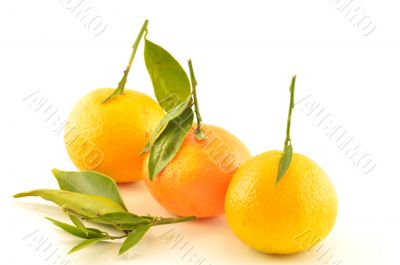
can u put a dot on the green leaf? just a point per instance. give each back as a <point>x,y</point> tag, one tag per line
<point>120,218</point>
<point>92,233</point>
<point>133,238</point>
<point>284,162</point>
<point>89,182</point>
<point>90,206</point>
<point>170,82</point>
<point>175,112</point>
<point>169,142</point>
<point>96,231</point>
<point>86,243</point>
<point>78,223</point>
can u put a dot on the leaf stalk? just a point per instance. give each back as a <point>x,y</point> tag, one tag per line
<point>198,131</point>
<point>122,82</point>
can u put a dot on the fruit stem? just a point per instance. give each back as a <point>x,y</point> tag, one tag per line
<point>122,82</point>
<point>199,132</point>
<point>287,153</point>
<point>165,221</point>
<point>291,106</point>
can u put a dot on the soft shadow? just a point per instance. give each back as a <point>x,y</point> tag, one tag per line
<point>36,207</point>
<point>129,187</point>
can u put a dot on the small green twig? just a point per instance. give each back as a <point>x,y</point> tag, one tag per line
<point>165,221</point>
<point>199,132</point>
<point>287,153</point>
<point>155,221</point>
<point>121,84</point>
<point>291,106</point>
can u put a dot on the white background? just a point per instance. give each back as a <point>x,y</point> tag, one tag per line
<point>244,54</point>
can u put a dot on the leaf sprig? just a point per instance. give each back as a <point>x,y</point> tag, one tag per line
<point>93,197</point>
<point>176,95</point>
<point>286,157</point>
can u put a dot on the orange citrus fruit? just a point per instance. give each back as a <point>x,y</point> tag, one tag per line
<point>196,179</point>
<point>282,218</point>
<point>109,137</point>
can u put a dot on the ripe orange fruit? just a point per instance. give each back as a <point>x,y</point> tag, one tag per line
<point>109,137</point>
<point>282,218</point>
<point>195,181</point>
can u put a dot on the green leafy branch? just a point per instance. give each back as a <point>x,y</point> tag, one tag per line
<point>177,95</point>
<point>91,196</point>
<point>286,157</point>
<point>132,227</point>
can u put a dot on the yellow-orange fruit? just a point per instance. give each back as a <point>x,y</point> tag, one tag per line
<point>195,181</point>
<point>109,137</point>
